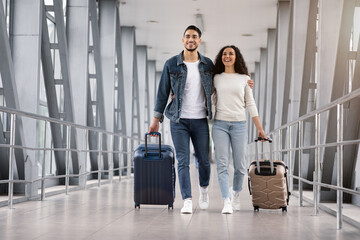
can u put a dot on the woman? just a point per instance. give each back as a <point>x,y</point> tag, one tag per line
<point>233,95</point>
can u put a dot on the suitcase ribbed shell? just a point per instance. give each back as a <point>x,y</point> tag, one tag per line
<point>268,191</point>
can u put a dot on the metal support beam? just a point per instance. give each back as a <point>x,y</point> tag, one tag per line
<point>355,104</point>
<point>308,75</point>
<point>270,110</point>
<point>51,95</point>
<point>128,47</point>
<point>328,29</point>
<point>262,82</point>
<point>95,115</point>
<point>11,98</point>
<point>64,60</point>
<point>339,88</point>
<point>152,86</point>
<point>107,23</point>
<point>294,71</point>
<point>288,69</point>
<point>25,37</point>
<point>281,52</point>
<point>300,15</point>
<point>253,134</point>
<point>309,60</point>
<point>143,81</point>
<point>77,31</point>
<point>120,114</point>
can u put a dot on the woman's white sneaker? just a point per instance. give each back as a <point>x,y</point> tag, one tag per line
<point>235,199</point>
<point>227,207</point>
<point>187,208</point>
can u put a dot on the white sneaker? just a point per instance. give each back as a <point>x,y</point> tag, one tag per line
<point>227,207</point>
<point>204,197</point>
<point>235,199</point>
<point>187,208</point>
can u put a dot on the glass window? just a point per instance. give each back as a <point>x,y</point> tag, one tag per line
<point>354,46</point>
<point>356,29</point>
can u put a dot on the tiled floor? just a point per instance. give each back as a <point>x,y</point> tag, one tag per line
<point>108,213</point>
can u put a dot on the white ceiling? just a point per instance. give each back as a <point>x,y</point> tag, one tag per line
<point>224,23</point>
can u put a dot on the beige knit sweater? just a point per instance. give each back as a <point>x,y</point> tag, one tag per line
<point>233,96</point>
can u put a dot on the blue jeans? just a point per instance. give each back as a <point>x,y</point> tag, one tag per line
<point>225,135</point>
<point>198,131</point>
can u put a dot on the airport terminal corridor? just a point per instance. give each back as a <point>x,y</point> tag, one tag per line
<point>108,213</point>
<point>83,81</point>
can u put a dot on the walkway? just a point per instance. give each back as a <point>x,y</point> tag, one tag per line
<point>108,213</point>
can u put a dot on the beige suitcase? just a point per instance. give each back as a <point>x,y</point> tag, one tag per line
<point>267,180</point>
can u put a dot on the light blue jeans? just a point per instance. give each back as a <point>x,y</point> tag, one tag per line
<point>228,135</point>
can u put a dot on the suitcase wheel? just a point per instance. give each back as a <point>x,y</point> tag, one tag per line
<point>171,206</point>
<point>137,205</point>
<point>256,208</point>
<point>284,209</point>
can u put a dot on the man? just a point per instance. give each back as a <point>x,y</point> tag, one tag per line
<point>189,77</point>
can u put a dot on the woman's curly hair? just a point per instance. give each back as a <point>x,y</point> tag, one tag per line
<point>240,65</point>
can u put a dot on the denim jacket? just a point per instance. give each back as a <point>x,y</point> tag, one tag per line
<point>173,79</point>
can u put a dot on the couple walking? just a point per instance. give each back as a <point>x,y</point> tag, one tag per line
<point>192,79</point>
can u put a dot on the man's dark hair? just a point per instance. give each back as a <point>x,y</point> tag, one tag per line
<point>192,27</point>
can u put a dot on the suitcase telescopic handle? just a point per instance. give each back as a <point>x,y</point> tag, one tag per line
<point>265,139</point>
<point>151,134</point>
<point>257,153</point>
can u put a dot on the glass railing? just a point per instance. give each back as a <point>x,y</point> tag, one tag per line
<point>293,132</point>
<point>116,146</point>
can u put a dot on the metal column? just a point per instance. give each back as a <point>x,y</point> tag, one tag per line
<point>11,97</point>
<point>340,87</point>
<point>270,110</point>
<point>77,31</point>
<point>261,104</point>
<point>281,52</point>
<point>143,83</point>
<point>25,38</point>
<point>128,48</point>
<point>120,113</point>
<point>53,79</point>
<point>107,23</point>
<point>95,93</point>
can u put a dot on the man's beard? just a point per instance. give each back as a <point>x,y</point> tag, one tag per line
<point>191,49</point>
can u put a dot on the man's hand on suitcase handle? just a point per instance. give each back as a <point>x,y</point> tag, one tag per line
<point>154,127</point>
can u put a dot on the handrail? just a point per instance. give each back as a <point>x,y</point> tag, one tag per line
<point>341,100</point>
<point>59,149</point>
<point>85,150</point>
<point>54,120</point>
<point>340,143</point>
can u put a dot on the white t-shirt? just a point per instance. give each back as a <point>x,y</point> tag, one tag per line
<point>233,95</point>
<point>193,102</point>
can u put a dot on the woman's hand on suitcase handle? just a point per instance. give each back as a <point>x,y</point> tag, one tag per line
<point>260,131</point>
<point>263,139</point>
<point>262,136</point>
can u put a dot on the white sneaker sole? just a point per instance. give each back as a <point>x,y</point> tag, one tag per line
<point>203,206</point>
<point>186,212</point>
<point>226,212</point>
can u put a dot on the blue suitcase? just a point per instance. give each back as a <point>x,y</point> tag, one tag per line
<point>154,174</point>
